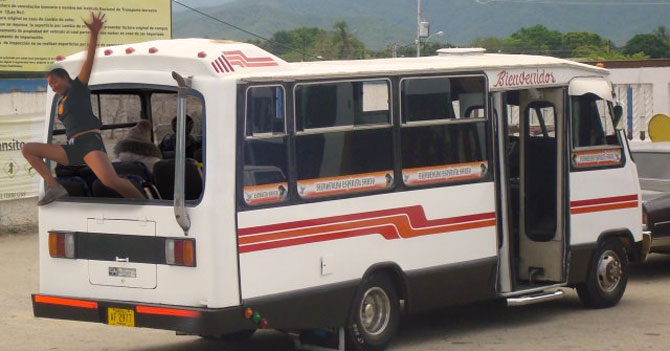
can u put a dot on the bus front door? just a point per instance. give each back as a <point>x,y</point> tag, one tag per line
<point>532,187</point>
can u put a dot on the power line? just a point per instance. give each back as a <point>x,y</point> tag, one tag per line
<point>237,27</point>
<point>577,3</point>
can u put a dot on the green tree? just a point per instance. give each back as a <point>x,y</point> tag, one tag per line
<point>534,40</point>
<point>345,44</point>
<point>662,33</point>
<point>649,44</point>
<point>297,44</point>
<point>572,41</point>
<point>594,53</point>
<point>491,44</point>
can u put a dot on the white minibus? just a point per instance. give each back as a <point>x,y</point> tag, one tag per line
<point>337,194</point>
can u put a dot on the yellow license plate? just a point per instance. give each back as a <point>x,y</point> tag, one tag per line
<point>121,316</point>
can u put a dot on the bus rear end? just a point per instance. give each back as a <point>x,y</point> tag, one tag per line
<point>132,262</point>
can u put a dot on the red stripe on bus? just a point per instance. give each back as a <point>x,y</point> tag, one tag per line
<point>389,232</point>
<point>244,57</point>
<point>167,311</point>
<point>415,213</point>
<point>599,208</point>
<point>50,300</point>
<point>603,200</point>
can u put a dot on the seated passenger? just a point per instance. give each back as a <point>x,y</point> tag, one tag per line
<point>169,142</point>
<point>137,146</point>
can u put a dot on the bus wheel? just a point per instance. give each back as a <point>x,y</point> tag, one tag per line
<point>374,315</point>
<point>607,276</point>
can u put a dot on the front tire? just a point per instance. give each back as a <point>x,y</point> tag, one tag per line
<point>607,276</point>
<point>374,315</point>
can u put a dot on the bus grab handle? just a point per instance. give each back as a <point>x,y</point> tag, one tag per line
<point>180,153</point>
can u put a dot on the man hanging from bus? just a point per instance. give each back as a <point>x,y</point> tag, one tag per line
<point>82,129</point>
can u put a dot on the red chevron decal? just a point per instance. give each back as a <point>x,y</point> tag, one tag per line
<point>400,223</point>
<point>221,65</point>
<point>238,58</point>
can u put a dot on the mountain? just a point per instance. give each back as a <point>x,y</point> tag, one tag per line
<point>379,22</point>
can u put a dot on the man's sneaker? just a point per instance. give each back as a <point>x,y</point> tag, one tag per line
<point>52,194</point>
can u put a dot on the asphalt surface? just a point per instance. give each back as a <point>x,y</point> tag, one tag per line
<point>641,321</point>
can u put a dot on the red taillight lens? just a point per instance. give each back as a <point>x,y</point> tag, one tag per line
<point>180,252</point>
<point>61,245</point>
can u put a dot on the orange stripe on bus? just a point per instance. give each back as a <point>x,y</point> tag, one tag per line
<point>66,302</point>
<point>604,207</point>
<point>401,223</point>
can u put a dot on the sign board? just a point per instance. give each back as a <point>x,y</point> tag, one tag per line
<point>34,32</point>
<point>18,179</point>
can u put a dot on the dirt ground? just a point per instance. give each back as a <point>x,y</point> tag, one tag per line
<point>640,322</point>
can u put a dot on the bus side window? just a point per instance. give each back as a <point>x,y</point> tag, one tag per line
<point>592,124</point>
<point>265,146</point>
<point>344,139</point>
<point>444,130</point>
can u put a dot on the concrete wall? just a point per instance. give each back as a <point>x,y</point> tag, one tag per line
<point>20,213</point>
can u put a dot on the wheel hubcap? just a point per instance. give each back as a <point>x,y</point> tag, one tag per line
<point>375,311</point>
<point>609,271</point>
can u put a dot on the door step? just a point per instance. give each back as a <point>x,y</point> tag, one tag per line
<point>535,298</point>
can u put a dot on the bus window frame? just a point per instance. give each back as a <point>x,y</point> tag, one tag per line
<point>389,124</point>
<point>619,133</point>
<point>488,128</point>
<point>395,123</point>
<point>246,114</point>
<point>142,90</point>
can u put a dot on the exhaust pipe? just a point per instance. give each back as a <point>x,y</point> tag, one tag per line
<point>180,153</point>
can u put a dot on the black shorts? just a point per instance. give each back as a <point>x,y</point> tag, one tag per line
<point>80,146</point>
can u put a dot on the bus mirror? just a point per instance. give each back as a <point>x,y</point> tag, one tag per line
<point>618,120</point>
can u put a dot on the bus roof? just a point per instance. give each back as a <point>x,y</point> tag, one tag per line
<point>229,59</point>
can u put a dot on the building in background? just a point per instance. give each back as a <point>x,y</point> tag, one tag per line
<point>643,89</point>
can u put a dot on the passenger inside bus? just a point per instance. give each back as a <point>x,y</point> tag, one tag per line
<point>169,142</point>
<point>128,131</point>
<point>137,146</point>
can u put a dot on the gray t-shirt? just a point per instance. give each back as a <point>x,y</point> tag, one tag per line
<point>75,110</point>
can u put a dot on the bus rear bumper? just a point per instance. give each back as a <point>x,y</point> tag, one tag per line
<point>202,321</point>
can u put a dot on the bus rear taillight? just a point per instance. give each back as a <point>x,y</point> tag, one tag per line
<point>180,252</point>
<point>61,245</point>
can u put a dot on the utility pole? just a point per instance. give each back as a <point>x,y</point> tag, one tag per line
<point>418,28</point>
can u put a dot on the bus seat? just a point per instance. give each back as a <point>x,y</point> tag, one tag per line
<point>137,168</point>
<point>84,172</point>
<point>75,186</point>
<point>164,179</point>
<point>100,190</point>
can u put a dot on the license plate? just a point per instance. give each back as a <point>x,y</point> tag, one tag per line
<point>121,317</point>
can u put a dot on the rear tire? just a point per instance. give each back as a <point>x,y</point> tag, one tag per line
<point>374,315</point>
<point>607,276</point>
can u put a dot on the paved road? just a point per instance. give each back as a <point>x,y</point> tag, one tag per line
<point>640,322</point>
